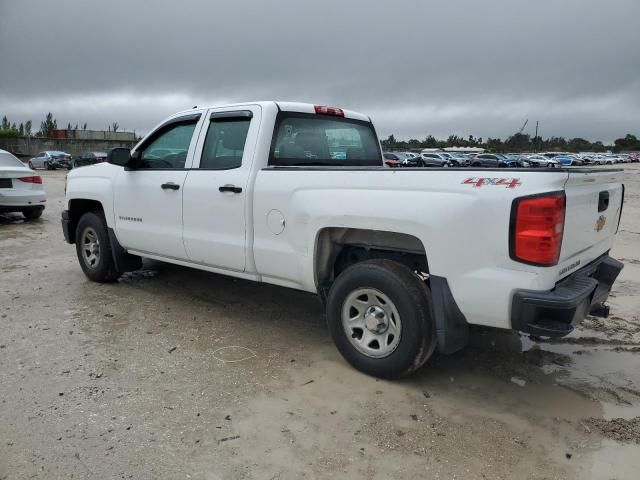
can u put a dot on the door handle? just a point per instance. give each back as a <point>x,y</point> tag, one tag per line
<point>170,186</point>
<point>230,188</point>
<point>603,201</point>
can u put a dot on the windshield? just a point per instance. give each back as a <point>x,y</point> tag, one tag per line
<point>8,160</point>
<point>307,139</point>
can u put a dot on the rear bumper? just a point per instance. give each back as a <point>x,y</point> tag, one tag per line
<point>13,200</point>
<point>554,313</point>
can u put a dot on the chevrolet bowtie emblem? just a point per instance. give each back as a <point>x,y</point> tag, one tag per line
<point>600,222</point>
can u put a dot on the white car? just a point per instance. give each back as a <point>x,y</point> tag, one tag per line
<point>542,161</point>
<point>296,195</point>
<point>20,189</point>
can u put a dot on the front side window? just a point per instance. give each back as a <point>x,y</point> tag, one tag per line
<point>224,144</point>
<point>169,147</point>
<point>307,139</point>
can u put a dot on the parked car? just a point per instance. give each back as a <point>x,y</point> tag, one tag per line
<point>458,160</point>
<point>392,160</point>
<point>260,198</point>
<point>434,160</point>
<point>515,161</point>
<point>89,158</point>
<point>568,160</point>
<point>542,161</point>
<point>20,190</point>
<point>51,160</point>
<point>410,159</point>
<point>492,160</point>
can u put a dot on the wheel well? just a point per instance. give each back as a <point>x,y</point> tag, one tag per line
<point>77,208</point>
<point>339,248</point>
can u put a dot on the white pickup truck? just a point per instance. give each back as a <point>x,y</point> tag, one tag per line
<point>404,259</point>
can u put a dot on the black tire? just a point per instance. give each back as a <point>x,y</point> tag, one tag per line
<point>31,165</point>
<point>32,213</point>
<point>412,300</point>
<point>103,269</point>
<point>47,166</point>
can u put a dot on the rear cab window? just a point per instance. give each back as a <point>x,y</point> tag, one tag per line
<point>306,139</point>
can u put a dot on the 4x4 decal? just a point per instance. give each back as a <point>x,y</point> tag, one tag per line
<point>500,182</point>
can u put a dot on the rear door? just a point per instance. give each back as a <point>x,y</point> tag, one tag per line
<point>217,190</point>
<point>594,201</point>
<point>148,200</point>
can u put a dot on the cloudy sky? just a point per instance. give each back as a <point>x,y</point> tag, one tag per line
<point>436,67</point>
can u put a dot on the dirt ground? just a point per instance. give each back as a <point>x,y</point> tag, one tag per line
<point>174,373</point>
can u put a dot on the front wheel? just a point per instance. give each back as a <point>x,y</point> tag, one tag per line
<point>31,165</point>
<point>47,166</point>
<point>379,315</point>
<point>94,249</point>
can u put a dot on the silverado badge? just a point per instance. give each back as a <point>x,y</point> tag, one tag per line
<point>600,222</point>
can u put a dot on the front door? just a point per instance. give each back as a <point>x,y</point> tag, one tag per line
<point>148,198</point>
<point>216,190</point>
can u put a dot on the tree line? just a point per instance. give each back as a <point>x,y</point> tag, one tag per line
<point>519,142</point>
<point>48,125</point>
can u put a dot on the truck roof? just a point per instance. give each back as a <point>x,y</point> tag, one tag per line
<point>289,107</point>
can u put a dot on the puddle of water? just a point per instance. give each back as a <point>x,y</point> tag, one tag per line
<point>137,275</point>
<point>598,372</point>
<point>11,219</point>
<point>623,459</point>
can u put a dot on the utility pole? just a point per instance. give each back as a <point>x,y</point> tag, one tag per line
<point>536,137</point>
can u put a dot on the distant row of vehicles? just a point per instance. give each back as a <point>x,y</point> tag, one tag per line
<point>500,160</point>
<point>53,159</point>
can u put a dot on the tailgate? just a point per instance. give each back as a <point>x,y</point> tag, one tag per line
<point>594,202</point>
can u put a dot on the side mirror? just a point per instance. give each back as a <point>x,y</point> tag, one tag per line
<point>122,157</point>
<point>119,156</point>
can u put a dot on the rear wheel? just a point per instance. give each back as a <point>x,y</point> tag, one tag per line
<point>379,315</point>
<point>94,249</point>
<point>32,213</point>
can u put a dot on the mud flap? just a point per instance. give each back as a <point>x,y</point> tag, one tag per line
<point>124,261</point>
<point>451,325</point>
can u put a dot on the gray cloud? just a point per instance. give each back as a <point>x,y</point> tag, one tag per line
<point>439,67</point>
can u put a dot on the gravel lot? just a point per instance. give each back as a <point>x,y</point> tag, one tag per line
<point>175,373</point>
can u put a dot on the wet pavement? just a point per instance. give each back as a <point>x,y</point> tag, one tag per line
<point>177,373</point>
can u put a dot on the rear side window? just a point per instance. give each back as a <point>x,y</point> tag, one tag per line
<point>224,145</point>
<point>306,139</point>
<point>8,160</point>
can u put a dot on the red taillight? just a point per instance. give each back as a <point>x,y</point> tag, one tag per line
<point>536,229</point>
<point>34,179</point>
<point>326,110</point>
